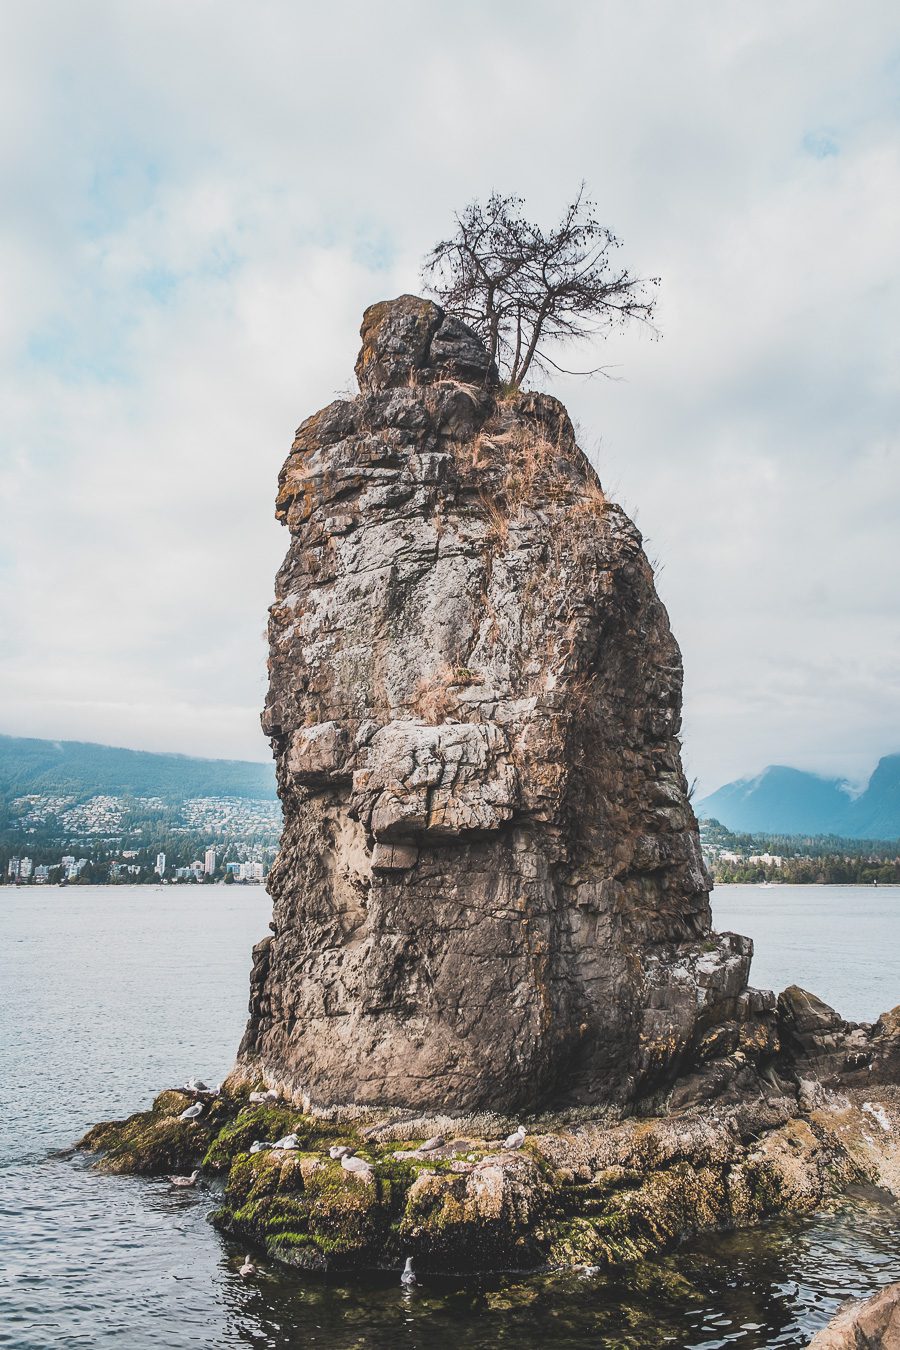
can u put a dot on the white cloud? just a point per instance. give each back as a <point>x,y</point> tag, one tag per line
<point>205,196</point>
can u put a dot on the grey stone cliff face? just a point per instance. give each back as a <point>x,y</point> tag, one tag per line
<point>490,892</point>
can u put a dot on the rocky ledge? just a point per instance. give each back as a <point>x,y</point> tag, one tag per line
<point>581,1190</point>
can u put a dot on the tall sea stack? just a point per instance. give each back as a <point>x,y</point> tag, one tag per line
<point>490,891</point>
<point>489,903</point>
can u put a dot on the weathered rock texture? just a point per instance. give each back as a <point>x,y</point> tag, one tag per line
<point>870,1325</point>
<point>490,892</point>
<point>490,896</point>
<point>448,1192</point>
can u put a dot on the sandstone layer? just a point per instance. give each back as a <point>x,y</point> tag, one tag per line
<point>490,891</point>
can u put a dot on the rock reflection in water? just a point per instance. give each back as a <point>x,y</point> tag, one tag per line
<point>768,1287</point>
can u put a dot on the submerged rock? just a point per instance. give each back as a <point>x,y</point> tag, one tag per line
<point>490,891</point>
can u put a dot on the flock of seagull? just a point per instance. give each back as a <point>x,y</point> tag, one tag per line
<point>290,1142</point>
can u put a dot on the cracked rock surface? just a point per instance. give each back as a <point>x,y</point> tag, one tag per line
<point>490,892</point>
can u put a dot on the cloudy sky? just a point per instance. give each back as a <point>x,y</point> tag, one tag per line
<point>201,196</point>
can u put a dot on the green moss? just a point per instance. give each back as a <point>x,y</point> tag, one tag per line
<point>304,1208</point>
<point>252,1122</point>
<point>155,1142</point>
<point>322,1212</point>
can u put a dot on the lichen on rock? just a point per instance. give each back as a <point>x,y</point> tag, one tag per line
<point>579,1193</point>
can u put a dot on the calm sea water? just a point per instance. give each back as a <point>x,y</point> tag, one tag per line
<point>109,994</point>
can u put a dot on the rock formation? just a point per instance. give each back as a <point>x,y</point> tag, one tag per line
<point>490,891</point>
<point>490,897</point>
<point>870,1325</point>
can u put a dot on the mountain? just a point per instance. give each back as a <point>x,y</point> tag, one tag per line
<point>80,769</point>
<point>782,800</point>
<point>876,814</point>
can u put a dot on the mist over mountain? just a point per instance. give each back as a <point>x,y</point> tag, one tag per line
<point>81,769</point>
<point>790,801</point>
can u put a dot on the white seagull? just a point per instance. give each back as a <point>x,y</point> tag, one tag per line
<point>248,1268</point>
<point>196,1085</point>
<point>358,1166</point>
<point>517,1139</point>
<point>260,1146</point>
<point>436,1141</point>
<point>408,1277</point>
<point>288,1141</point>
<point>192,1112</point>
<point>340,1151</point>
<point>186,1181</point>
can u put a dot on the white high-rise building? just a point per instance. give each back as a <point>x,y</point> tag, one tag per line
<point>160,864</point>
<point>209,861</point>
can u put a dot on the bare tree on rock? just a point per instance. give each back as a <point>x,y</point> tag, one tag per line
<point>523,289</point>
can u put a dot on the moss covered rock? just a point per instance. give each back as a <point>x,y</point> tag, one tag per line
<point>590,1193</point>
<point>155,1142</point>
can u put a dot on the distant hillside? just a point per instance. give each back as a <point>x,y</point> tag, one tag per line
<point>876,814</point>
<point>81,770</point>
<point>781,800</point>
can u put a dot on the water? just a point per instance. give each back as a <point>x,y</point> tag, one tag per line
<point>838,941</point>
<point>108,994</point>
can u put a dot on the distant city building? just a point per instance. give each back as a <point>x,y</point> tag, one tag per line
<point>25,869</point>
<point>233,868</point>
<point>197,868</point>
<point>209,861</point>
<point>42,874</point>
<point>160,864</point>
<point>251,871</point>
<point>12,868</point>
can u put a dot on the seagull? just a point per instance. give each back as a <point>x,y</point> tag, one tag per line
<point>517,1139</point>
<point>192,1112</point>
<point>260,1146</point>
<point>436,1141</point>
<point>340,1151</point>
<point>186,1181</point>
<point>196,1085</point>
<point>288,1141</point>
<point>248,1268</point>
<point>271,1096</point>
<point>408,1277</point>
<point>358,1166</point>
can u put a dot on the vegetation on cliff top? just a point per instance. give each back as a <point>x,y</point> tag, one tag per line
<point>521,287</point>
